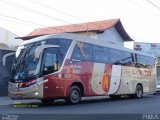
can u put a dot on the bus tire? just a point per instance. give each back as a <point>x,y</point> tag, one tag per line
<point>139,91</point>
<point>47,101</point>
<point>74,95</point>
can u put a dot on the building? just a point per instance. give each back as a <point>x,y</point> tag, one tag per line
<point>8,45</point>
<point>7,39</point>
<point>107,30</point>
<point>150,48</point>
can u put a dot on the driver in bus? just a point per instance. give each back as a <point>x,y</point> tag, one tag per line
<point>56,65</point>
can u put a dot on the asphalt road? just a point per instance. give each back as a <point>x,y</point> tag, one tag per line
<point>147,104</point>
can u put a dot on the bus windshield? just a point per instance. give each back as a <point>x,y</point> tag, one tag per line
<point>25,64</point>
<point>25,67</point>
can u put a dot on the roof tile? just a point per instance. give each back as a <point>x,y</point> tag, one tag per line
<point>73,28</point>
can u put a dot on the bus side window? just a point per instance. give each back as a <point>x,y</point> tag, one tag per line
<point>77,54</point>
<point>151,61</point>
<point>128,59</point>
<point>82,52</point>
<point>145,61</point>
<point>88,52</point>
<point>100,54</point>
<point>50,61</point>
<point>116,56</point>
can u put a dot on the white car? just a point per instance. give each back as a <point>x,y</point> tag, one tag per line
<point>158,86</point>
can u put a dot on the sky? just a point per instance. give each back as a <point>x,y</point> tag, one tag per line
<point>140,18</point>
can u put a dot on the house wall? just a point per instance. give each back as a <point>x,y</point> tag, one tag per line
<point>111,35</point>
<point>89,34</point>
<point>7,44</point>
<point>5,71</point>
<point>8,38</point>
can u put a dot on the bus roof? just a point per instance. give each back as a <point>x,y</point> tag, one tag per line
<point>84,39</point>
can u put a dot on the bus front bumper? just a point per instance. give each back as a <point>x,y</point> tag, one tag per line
<point>31,92</point>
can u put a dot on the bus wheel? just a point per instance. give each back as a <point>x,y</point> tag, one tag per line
<point>47,101</point>
<point>139,91</point>
<point>74,95</point>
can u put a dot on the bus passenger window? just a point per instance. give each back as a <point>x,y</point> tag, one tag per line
<point>87,49</point>
<point>128,59</point>
<point>143,61</point>
<point>116,56</point>
<point>100,54</point>
<point>77,54</point>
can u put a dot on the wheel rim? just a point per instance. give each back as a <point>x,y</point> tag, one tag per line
<point>139,91</point>
<point>75,96</point>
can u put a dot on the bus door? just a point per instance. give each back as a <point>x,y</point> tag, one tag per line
<point>49,66</point>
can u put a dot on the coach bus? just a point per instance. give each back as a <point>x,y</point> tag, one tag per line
<point>6,60</point>
<point>68,66</point>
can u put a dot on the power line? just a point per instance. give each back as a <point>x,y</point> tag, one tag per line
<point>22,20</point>
<point>2,18</point>
<point>59,11</point>
<point>37,12</point>
<point>46,6</point>
<point>62,12</point>
<point>140,6</point>
<point>157,1</point>
<point>31,10</point>
<point>78,18</point>
<point>156,6</point>
<point>144,9</point>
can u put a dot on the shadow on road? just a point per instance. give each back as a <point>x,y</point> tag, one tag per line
<point>89,101</point>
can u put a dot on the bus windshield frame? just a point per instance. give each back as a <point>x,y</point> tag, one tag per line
<point>25,64</point>
<point>26,67</point>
